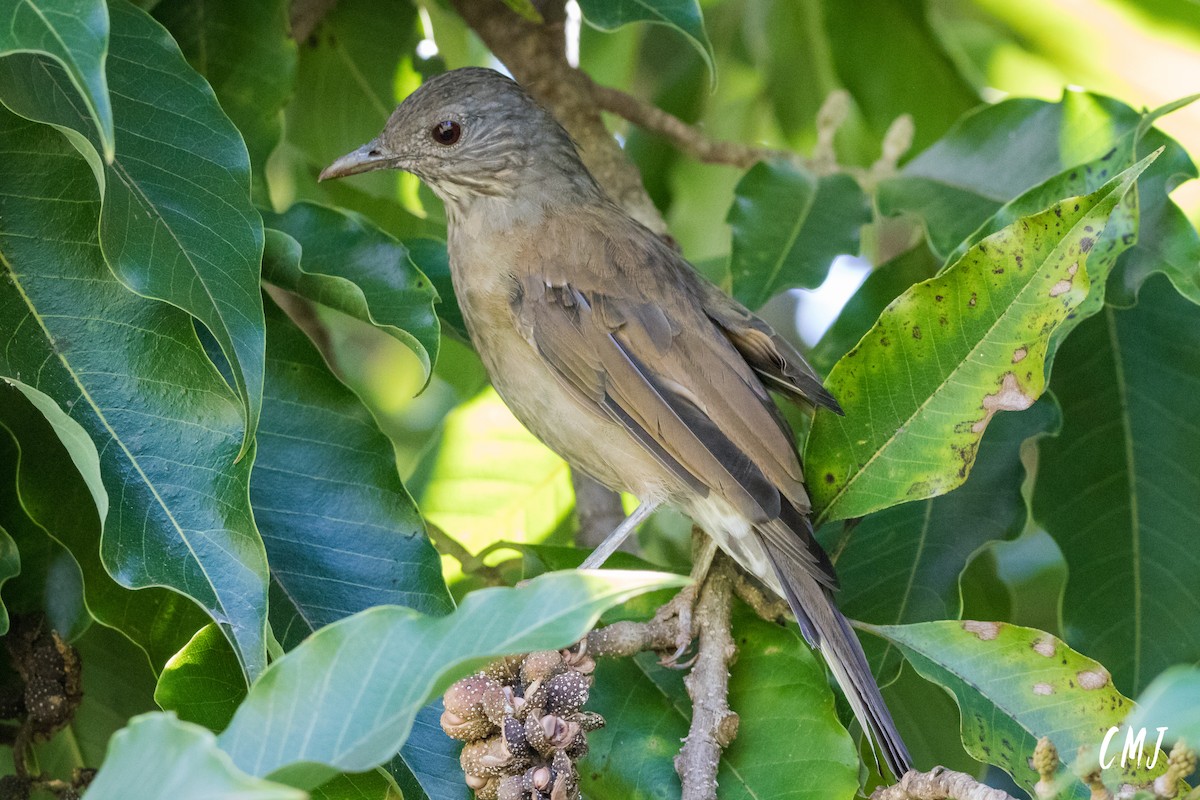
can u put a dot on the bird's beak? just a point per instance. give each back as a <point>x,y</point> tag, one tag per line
<point>371,155</point>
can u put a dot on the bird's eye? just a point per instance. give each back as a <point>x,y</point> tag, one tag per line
<point>447,132</point>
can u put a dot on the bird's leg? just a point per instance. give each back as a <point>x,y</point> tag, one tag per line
<point>683,604</point>
<point>610,544</point>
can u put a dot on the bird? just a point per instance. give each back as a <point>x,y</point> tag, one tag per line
<point>615,352</point>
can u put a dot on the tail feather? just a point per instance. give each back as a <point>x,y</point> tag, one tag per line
<point>825,628</point>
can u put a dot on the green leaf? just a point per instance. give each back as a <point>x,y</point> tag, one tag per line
<point>903,564</point>
<point>922,385</point>
<point>1114,487</point>
<point>682,15</point>
<point>777,687</point>
<point>60,489</point>
<point>186,766</point>
<point>49,581</point>
<point>203,682</point>
<point>1014,685</point>
<point>428,763</point>
<point>346,84</point>
<point>75,34</point>
<point>345,699</point>
<point>883,285</point>
<point>920,78</point>
<point>132,374</point>
<point>1001,152</point>
<point>1172,700</point>
<point>342,533</point>
<point>788,226</point>
<point>245,53</point>
<point>360,786</point>
<point>490,480</point>
<point>10,567</point>
<point>342,260</point>
<point>177,223</point>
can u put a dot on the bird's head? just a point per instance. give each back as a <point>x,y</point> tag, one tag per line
<point>467,133</point>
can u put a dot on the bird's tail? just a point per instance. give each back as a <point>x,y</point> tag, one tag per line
<point>825,628</point>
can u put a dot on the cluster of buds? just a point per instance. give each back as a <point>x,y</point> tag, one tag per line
<point>524,726</point>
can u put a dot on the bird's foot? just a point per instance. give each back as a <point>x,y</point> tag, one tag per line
<point>680,613</point>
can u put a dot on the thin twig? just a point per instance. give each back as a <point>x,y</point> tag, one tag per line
<point>939,784</point>
<point>687,138</point>
<point>713,726</point>
<point>599,512</point>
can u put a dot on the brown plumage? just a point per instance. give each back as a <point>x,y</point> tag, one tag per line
<point>614,351</point>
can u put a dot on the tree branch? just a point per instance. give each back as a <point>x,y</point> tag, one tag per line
<point>713,726</point>
<point>687,138</point>
<point>939,784</point>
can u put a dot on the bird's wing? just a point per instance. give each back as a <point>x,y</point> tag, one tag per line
<point>777,363</point>
<point>664,372</point>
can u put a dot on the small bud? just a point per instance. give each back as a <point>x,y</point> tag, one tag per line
<point>489,791</point>
<point>505,670</point>
<point>465,730</point>
<point>1180,764</point>
<point>541,666</point>
<point>566,693</point>
<point>465,698</point>
<point>498,703</point>
<point>587,720</point>
<point>516,740</point>
<point>1045,761</point>
<point>512,788</point>
<point>490,758</point>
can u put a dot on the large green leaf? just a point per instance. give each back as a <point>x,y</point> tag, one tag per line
<point>345,699</point>
<point>245,53</point>
<point>1015,685</point>
<point>788,226</point>
<point>1172,700</point>
<point>922,385</point>
<point>177,223</point>
<point>160,758</point>
<point>1116,487</point>
<point>10,567</point>
<point>203,682</point>
<point>903,564</point>
<point>75,34</point>
<point>60,490</point>
<point>342,260</point>
<point>682,15</point>
<point>491,480</point>
<point>920,78</point>
<point>997,154</point>
<point>345,84</point>
<point>342,533</point>
<point>132,374</point>
<point>49,582</point>
<point>777,687</point>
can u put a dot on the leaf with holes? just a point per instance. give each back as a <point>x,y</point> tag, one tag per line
<point>921,386</point>
<point>1015,685</point>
